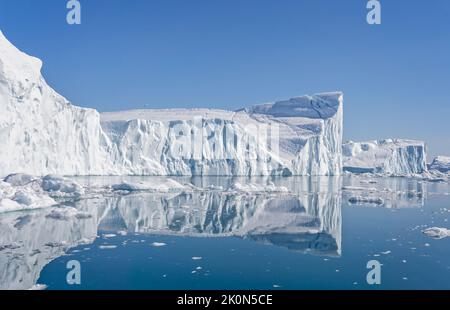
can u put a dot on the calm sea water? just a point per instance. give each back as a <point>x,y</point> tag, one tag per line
<point>309,237</point>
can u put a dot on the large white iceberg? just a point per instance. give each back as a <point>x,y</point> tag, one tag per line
<point>300,136</point>
<point>42,133</point>
<point>390,157</point>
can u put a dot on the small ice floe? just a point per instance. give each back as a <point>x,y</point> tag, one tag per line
<point>122,233</point>
<point>386,252</point>
<point>152,185</point>
<point>38,287</point>
<point>198,268</point>
<point>20,199</point>
<point>158,244</point>
<point>61,187</point>
<point>366,200</point>
<point>107,247</point>
<point>19,179</point>
<point>437,232</point>
<point>196,258</point>
<point>107,236</point>
<point>276,286</point>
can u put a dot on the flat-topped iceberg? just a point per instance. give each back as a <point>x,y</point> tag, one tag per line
<point>42,133</point>
<point>389,157</point>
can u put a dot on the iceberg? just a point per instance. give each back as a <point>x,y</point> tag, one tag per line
<point>396,157</point>
<point>441,164</point>
<point>42,133</point>
<point>301,136</point>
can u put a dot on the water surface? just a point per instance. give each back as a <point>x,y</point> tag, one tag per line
<point>309,237</point>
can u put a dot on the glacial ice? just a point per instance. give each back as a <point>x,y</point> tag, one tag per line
<point>393,157</point>
<point>441,164</point>
<point>26,192</point>
<point>437,232</point>
<point>42,133</point>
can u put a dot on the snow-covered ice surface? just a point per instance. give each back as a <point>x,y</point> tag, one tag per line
<point>42,133</point>
<point>390,157</point>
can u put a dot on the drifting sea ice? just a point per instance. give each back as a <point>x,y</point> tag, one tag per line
<point>437,232</point>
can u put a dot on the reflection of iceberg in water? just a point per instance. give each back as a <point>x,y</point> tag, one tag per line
<point>394,192</point>
<point>30,240</point>
<point>306,219</point>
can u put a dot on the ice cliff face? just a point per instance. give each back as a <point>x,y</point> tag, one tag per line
<point>42,133</point>
<point>391,157</point>
<point>301,136</point>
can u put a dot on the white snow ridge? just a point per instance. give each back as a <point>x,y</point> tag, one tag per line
<point>42,133</point>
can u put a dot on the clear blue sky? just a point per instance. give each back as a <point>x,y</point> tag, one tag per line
<point>233,53</point>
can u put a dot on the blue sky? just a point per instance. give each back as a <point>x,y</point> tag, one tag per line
<point>233,53</point>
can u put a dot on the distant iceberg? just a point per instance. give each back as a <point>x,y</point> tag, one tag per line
<point>396,157</point>
<point>441,164</point>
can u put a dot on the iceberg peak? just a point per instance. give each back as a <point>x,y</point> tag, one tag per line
<point>17,65</point>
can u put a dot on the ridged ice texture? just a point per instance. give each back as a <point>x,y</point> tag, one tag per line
<point>42,133</point>
<point>391,157</point>
<point>301,136</point>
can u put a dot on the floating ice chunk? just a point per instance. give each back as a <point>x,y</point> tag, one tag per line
<point>196,258</point>
<point>158,244</point>
<point>19,179</point>
<point>61,187</point>
<point>107,247</point>
<point>437,232</point>
<point>366,200</point>
<point>38,287</point>
<point>21,198</point>
<point>156,185</point>
<point>107,236</point>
